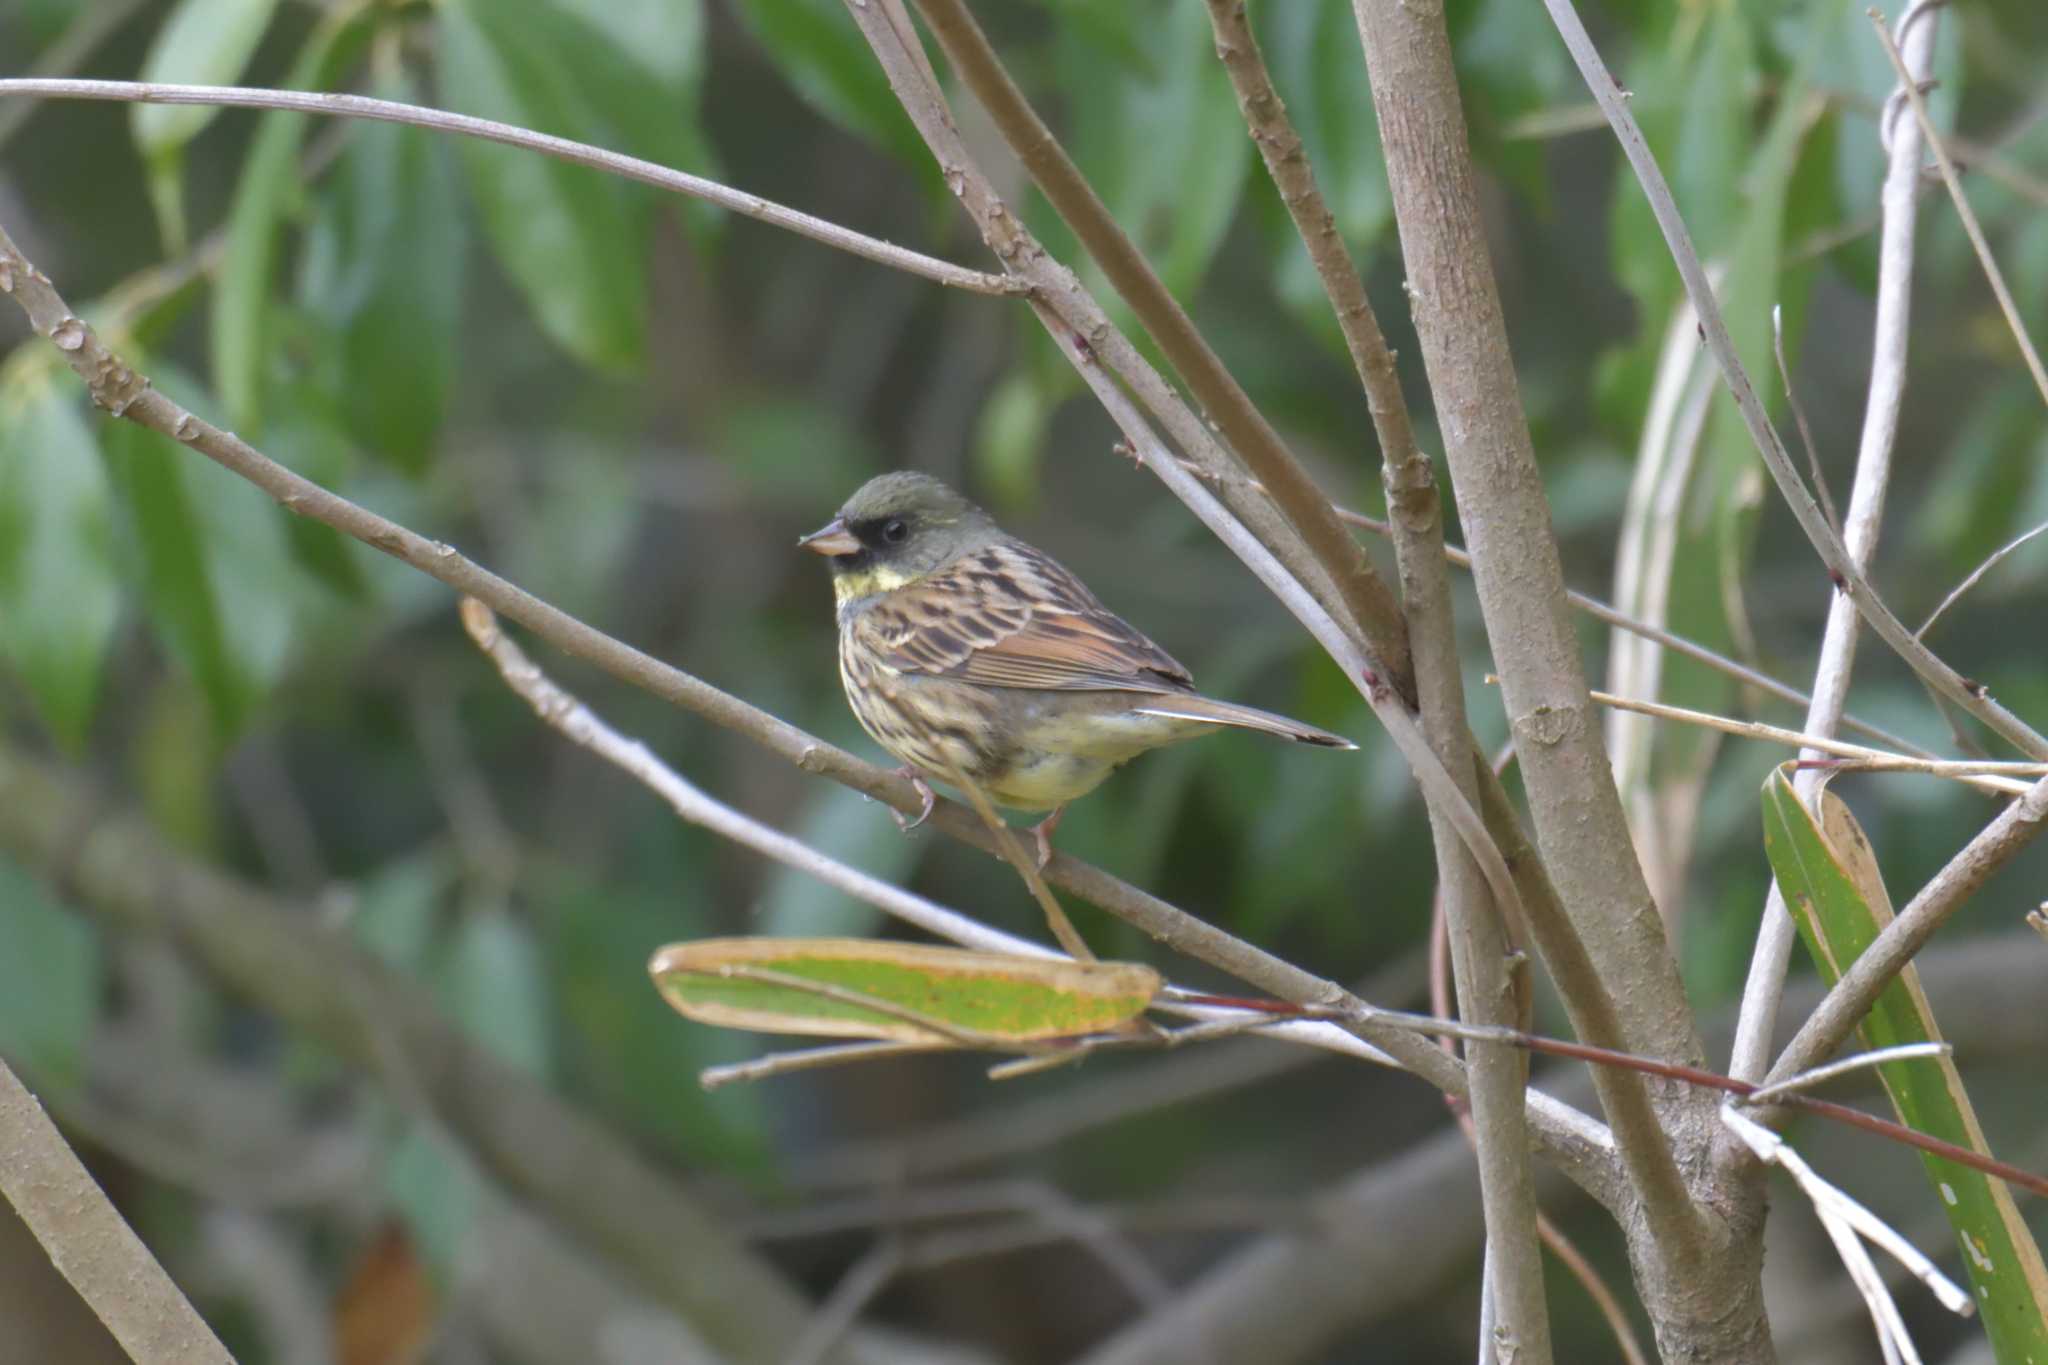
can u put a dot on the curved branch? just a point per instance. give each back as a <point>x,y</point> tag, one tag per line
<point>580,153</point>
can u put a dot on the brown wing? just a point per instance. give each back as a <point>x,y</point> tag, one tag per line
<point>1010,616</point>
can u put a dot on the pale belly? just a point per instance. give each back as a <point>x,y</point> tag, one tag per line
<point>1029,750</point>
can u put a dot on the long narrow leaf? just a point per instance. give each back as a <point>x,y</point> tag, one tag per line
<point>1830,880</point>
<point>993,995</point>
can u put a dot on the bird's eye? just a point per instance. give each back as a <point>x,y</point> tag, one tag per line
<point>895,530</point>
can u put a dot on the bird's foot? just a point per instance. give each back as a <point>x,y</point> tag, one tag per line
<point>924,795</point>
<point>1041,834</point>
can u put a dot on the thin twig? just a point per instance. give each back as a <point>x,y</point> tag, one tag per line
<point>582,727</point>
<point>1844,1219</point>
<point>1615,1059</point>
<point>1764,1094</point>
<point>1964,771</point>
<point>810,1059</point>
<point>1991,562</point>
<point>1963,210</point>
<point>1012,850</point>
<point>582,154</point>
<point>1820,478</point>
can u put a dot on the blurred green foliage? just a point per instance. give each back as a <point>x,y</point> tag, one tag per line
<point>632,407</point>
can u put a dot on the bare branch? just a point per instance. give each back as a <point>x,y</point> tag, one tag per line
<point>1991,561</point>
<point>89,1242</point>
<point>1980,775</point>
<point>582,154</point>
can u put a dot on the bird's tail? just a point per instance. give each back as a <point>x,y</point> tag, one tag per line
<point>1243,717</point>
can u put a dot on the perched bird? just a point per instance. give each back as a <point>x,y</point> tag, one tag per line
<point>962,649</point>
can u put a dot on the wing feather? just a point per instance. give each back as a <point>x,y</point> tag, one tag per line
<point>1010,616</point>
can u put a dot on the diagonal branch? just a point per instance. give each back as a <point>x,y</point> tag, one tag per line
<point>88,1241</point>
<point>580,153</point>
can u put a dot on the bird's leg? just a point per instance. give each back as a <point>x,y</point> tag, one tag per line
<point>924,794</point>
<point>1042,834</point>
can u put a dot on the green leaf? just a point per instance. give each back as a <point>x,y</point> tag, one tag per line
<point>50,980</point>
<point>620,1051</point>
<point>203,42</point>
<point>1311,48</point>
<point>397,910</point>
<point>163,529</point>
<point>664,36</point>
<point>1010,442</point>
<point>574,240</point>
<point>1829,876</point>
<point>59,595</point>
<point>815,46</point>
<point>437,1194</point>
<point>239,339</point>
<point>382,273</point>
<point>1167,149</point>
<point>208,553</point>
<point>493,983</point>
<point>998,996</point>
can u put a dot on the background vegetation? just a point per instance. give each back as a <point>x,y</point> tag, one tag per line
<point>632,405</point>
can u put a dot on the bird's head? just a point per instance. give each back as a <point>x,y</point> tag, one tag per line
<point>896,529</point>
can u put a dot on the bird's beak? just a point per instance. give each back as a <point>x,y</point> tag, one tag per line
<point>831,539</point>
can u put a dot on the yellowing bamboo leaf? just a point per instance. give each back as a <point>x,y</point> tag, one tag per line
<point>1829,877</point>
<point>865,988</point>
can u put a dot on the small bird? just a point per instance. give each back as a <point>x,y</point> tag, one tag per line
<point>964,650</point>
